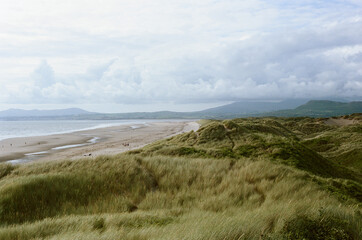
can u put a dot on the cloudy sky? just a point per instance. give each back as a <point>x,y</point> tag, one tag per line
<point>141,55</point>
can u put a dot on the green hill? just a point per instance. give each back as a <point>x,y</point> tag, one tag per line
<point>320,108</point>
<point>251,107</point>
<point>251,178</point>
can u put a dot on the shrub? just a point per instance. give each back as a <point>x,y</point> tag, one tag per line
<point>323,227</point>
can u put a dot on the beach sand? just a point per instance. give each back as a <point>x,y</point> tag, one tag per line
<point>90,143</point>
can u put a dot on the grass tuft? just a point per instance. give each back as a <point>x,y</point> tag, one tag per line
<point>256,178</point>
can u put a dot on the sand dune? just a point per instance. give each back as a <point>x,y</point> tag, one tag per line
<point>339,121</point>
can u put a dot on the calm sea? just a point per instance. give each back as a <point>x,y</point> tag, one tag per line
<point>11,129</point>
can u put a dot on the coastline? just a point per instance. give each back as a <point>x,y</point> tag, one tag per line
<point>95,125</point>
<point>89,143</point>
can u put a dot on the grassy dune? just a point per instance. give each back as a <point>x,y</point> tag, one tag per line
<point>257,178</point>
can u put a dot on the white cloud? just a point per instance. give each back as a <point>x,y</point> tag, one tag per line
<point>43,75</point>
<point>135,52</point>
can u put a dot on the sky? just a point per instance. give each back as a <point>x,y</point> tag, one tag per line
<point>141,55</point>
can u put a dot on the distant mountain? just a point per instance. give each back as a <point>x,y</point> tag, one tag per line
<point>320,108</point>
<point>20,113</point>
<point>248,107</point>
<point>287,108</point>
<point>295,108</point>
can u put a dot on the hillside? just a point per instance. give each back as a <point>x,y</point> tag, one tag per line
<point>320,108</point>
<point>251,107</point>
<point>247,178</point>
<point>292,108</point>
<point>287,108</point>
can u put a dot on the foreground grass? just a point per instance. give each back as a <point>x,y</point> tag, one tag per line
<point>241,179</point>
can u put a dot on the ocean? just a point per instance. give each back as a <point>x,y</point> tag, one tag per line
<point>12,129</point>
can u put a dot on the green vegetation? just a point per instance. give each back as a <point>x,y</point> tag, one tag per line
<point>342,145</point>
<point>255,178</point>
<point>320,108</point>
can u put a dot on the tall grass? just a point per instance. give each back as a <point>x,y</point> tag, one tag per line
<point>192,186</point>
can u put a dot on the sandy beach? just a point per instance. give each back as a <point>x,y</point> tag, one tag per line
<point>89,143</point>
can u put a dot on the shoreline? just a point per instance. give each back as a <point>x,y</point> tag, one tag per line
<point>90,143</point>
<point>102,124</point>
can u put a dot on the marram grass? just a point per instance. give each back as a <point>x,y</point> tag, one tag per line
<point>240,179</point>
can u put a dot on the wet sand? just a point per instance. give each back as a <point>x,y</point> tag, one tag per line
<point>89,143</point>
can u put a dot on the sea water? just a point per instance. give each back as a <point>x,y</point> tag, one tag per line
<point>12,129</point>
